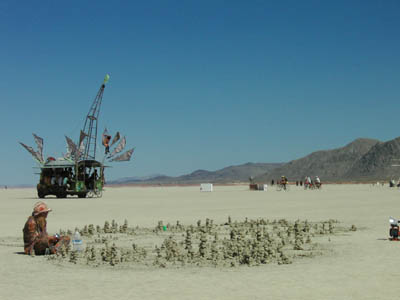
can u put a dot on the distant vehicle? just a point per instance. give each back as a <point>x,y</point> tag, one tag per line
<point>78,172</point>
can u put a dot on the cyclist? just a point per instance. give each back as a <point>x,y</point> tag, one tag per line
<point>317,182</point>
<point>284,181</point>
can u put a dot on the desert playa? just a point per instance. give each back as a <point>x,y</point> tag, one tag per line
<point>357,264</point>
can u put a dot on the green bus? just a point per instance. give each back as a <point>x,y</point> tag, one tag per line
<point>64,177</point>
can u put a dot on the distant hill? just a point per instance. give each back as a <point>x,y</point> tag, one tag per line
<point>134,179</point>
<point>232,174</point>
<point>239,173</point>
<point>361,160</point>
<point>329,165</point>
<point>378,162</point>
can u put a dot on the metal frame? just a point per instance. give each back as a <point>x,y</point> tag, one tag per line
<point>90,127</point>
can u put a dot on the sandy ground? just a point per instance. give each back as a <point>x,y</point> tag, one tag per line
<point>360,265</point>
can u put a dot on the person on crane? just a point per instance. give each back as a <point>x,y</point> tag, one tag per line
<point>106,143</point>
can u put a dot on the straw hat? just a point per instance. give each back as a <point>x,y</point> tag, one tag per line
<point>40,207</point>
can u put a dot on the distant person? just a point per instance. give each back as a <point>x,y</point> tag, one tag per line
<point>284,181</point>
<point>95,175</point>
<point>81,174</point>
<point>92,179</point>
<point>47,180</point>
<point>301,183</point>
<point>317,182</point>
<point>69,179</point>
<point>297,183</point>
<point>64,176</point>
<point>36,238</point>
<point>70,174</point>
<point>87,177</point>
<point>272,182</point>
<point>307,182</point>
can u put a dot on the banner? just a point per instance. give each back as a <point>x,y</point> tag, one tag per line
<point>35,154</point>
<point>72,148</point>
<point>39,143</point>
<point>124,156</point>
<point>115,139</point>
<point>81,138</point>
<point>119,147</point>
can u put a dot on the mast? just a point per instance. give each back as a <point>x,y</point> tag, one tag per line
<point>89,140</point>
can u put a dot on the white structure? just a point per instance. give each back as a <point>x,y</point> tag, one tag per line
<point>262,187</point>
<point>206,187</point>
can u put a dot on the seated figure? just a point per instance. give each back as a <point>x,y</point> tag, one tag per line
<point>36,239</point>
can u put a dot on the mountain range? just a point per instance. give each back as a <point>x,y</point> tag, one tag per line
<point>329,165</point>
<point>361,160</point>
<point>232,174</point>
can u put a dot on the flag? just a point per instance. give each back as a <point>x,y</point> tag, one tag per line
<point>124,156</point>
<point>81,148</point>
<point>39,143</point>
<point>121,145</point>
<point>35,154</point>
<point>106,79</point>
<point>115,139</point>
<point>72,148</point>
<point>81,142</point>
<point>81,138</point>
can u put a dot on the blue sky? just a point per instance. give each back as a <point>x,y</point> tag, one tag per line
<point>198,84</point>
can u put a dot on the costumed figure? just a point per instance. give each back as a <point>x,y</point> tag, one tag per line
<point>36,239</point>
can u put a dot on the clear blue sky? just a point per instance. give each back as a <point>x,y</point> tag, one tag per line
<point>198,84</point>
